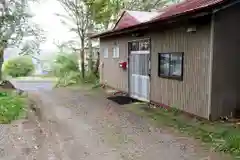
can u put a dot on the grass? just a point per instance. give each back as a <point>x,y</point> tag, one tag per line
<point>89,81</point>
<point>12,107</point>
<point>224,137</point>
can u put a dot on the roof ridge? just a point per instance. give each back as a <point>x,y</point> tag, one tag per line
<point>140,11</point>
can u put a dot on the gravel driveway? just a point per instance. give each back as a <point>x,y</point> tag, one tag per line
<point>81,124</point>
<point>89,127</point>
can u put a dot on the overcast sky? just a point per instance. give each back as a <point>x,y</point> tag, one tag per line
<point>45,16</point>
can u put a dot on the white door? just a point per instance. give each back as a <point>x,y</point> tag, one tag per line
<point>139,67</point>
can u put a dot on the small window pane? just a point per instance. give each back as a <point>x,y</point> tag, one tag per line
<point>170,65</point>
<point>164,64</point>
<point>144,45</point>
<point>105,52</point>
<point>116,52</point>
<point>134,46</point>
<point>176,65</point>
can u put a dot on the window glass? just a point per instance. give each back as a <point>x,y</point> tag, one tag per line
<point>116,52</point>
<point>134,46</point>
<point>176,65</point>
<point>170,65</point>
<point>164,64</point>
<point>105,52</point>
<point>144,45</point>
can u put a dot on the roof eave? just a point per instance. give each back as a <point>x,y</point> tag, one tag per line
<point>141,25</point>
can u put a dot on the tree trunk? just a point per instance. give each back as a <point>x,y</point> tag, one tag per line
<point>90,57</point>
<point>90,48</point>
<point>96,71</point>
<point>1,61</point>
<point>82,59</point>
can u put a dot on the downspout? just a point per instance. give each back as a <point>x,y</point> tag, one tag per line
<point>211,66</point>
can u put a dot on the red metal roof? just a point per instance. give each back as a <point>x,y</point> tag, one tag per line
<point>187,6</point>
<point>131,18</point>
<point>126,20</point>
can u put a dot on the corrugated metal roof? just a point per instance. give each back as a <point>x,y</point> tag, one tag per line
<point>131,18</point>
<point>187,6</point>
<point>143,16</point>
<point>125,21</point>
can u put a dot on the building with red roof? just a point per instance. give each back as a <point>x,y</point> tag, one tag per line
<point>184,56</point>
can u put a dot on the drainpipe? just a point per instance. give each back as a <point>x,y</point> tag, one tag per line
<point>211,66</point>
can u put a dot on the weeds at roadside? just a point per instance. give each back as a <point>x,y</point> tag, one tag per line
<point>217,135</point>
<point>12,107</point>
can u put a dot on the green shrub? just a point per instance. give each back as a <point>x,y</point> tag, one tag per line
<point>90,78</point>
<point>69,78</point>
<point>11,107</point>
<point>18,67</point>
<point>66,68</point>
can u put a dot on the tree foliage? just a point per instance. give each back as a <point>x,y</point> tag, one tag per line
<point>18,67</point>
<point>15,22</point>
<point>147,5</point>
<point>105,12</point>
<point>64,63</point>
<point>15,25</point>
<point>66,68</point>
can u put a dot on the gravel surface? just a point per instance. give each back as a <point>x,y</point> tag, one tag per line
<point>89,127</point>
<point>78,124</point>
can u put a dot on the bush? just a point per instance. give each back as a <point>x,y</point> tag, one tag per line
<point>18,67</point>
<point>66,68</point>
<point>69,78</point>
<point>11,107</point>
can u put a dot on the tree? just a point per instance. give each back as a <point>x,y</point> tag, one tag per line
<point>104,12</point>
<point>108,10</point>
<point>77,19</point>
<point>14,25</point>
<point>18,67</point>
<point>81,17</point>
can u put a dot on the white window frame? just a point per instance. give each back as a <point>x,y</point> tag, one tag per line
<point>105,53</point>
<point>116,51</point>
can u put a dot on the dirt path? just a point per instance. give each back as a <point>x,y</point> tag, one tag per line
<point>84,125</point>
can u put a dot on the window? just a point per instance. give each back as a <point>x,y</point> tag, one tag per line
<point>144,45</point>
<point>105,53</point>
<point>116,51</point>
<point>141,45</point>
<point>134,46</point>
<point>170,65</point>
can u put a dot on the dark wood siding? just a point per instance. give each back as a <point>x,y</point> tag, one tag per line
<point>190,95</point>
<point>226,62</point>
